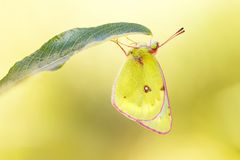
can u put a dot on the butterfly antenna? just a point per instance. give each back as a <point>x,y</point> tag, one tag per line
<point>180,31</point>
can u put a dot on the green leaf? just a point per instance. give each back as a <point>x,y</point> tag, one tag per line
<point>54,53</point>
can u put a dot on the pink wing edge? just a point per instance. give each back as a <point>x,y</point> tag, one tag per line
<point>141,122</point>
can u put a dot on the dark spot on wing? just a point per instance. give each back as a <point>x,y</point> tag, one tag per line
<point>124,97</point>
<point>146,89</point>
<point>140,60</point>
<point>162,88</point>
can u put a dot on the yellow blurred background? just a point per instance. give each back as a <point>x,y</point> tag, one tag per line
<point>67,114</point>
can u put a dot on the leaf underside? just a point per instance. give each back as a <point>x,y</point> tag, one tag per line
<point>54,53</point>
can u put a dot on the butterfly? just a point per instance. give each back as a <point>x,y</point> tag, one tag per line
<point>139,91</point>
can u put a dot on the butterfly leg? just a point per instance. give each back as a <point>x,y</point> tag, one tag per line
<point>126,44</point>
<point>133,42</point>
<point>117,42</point>
<point>120,43</point>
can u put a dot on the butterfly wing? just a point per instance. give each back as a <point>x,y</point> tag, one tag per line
<point>162,124</point>
<point>138,92</point>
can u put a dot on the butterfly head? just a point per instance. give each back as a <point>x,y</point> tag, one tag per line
<point>153,46</point>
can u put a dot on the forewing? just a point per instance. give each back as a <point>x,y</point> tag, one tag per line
<point>138,92</point>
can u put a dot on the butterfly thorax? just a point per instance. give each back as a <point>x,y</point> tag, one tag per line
<point>138,52</point>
